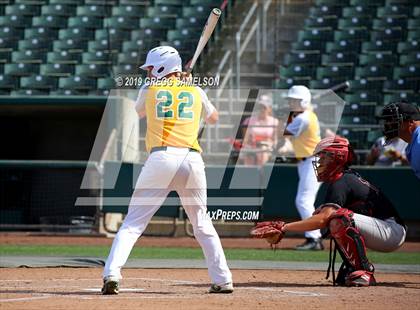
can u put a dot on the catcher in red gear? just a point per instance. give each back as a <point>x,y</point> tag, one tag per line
<point>356,213</point>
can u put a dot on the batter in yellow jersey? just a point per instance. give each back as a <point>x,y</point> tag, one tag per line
<point>173,111</point>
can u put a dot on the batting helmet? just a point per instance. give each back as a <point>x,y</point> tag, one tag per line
<point>332,156</point>
<point>393,115</point>
<point>164,60</point>
<point>300,92</point>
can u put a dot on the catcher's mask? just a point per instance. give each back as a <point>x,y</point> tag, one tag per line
<point>393,115</point>
<point>332,156</point>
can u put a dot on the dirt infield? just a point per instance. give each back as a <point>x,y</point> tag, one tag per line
<point>228,243</point>
<point>78,288</point>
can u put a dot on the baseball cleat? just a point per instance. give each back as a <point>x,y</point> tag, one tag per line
<point>360,278</point>
<point>311,245</point>
<point>226,288</point>
<point>111,286</point>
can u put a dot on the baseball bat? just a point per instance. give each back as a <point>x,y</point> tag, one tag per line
<point>337,87</point>
<point>204,38</point>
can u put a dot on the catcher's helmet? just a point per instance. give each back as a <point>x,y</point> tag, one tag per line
<point>164,60</point>
<point>393,115</point>
<point>332,156</point>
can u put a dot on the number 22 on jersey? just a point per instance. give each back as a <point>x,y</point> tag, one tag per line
<point>168,108</point>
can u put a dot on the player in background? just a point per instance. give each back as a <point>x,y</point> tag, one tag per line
<point>401,119</point>
<point>304,131</point>
<point>173,111</point>
<point>357,214</point>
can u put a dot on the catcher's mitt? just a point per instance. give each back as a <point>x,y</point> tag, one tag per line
<point>270,231</point>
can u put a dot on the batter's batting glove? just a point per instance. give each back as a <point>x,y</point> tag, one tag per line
<point>270,231</point>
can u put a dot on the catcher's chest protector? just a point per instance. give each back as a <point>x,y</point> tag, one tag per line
<point>349,240</point>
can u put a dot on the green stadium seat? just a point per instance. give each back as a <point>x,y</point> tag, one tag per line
<point>356,136</point>
<point>77,83</point>
<point>102,2</point>
<point>38,82</point>
<point>63,57</point>
<point>389,22</point>
<point>413,24</point>
<point>85,22</point>
<point>59,9</point>
<point>363,97</point>
<point>199,11</point>
<point>393,11</point>
<point>8,44</point>
<point>157,22</point>
<point>369,3</point>
<point>325,10</point>
<point>297,71</point>
<point>302,58</point>
<point>331,2</point>
<point>128,11</point>
<point>49,21</point>
<point>354,22</point>
<point>148,34</point>
<point>403,2</point>
<point>343,46</point>
<point>169,2</point>
<point>17,21</point>
<point>29,92</point>
<point>38,2</point>
<point>8,82</point>
<point>325,83</point>
<point>409,97</point>
<point>190,22</point>
<point>334,72</point>
<point>373,72</point>
<point>76,33</point>
<point>106,83</point>
<point>98,92</point>
<point>321,22</point>
<point>407,47</point>
<point>365,84</point>
<point>413,35</point>
<point>67,2</point>
<point>356,34</point>
<point>92,10</point>
<point>69,45</point>
<point>321,34</point>
<point>41,45</point>
<point>409,72</point>
<point>139,45</point>
<point>378,46</point>
<point>134,58</point>
<point>28,56</point>
<point>11,33</point>
<point>410,58</point>
<point>125,70</point>
<point>377,58</point>
<point>112,34</point>
<point>40,33</point>
<point>22,9</point>
<point>360,11</point>
<point>399,85</point>
<point>68,92</point>
<point>184,34</point>
<point>92,70</point>
<point>5,57</point>
<point>389,34</point>
<point>164,11</point>
<point>104,46</point>
<point>21,69</point>
<point>358,120</point>
<point>362,113</point>
<point>289,82</point>
<point>339,58</point>
<point>98,57</point>
<point>122,22</point>
<point>57,69</point>
<point>307,45</point>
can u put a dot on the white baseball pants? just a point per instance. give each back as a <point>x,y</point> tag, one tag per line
<point>176,169</point>
<point>306,193</point>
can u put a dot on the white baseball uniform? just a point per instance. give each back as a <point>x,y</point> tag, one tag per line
<point>174,164</point>
<point>305,136</point>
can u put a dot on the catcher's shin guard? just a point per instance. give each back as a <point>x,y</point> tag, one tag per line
<point>352,249</point>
